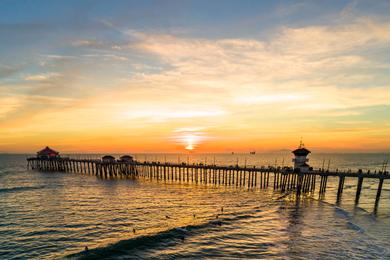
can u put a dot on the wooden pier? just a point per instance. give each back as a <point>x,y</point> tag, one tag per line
<point>279,179</point>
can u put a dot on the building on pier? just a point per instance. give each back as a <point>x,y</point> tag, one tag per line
<point>108,158</point>
<point>48,153</point>
<point>300,160</point>
<point>126,158</point>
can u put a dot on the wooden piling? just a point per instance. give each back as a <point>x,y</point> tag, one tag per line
<point>378,193</point>
<point>359,189</point>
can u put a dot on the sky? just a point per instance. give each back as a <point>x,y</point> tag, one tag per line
<point>194,76</point>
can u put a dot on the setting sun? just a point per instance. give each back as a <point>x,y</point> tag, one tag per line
<point>190,143</point>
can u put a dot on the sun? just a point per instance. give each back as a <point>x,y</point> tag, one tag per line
<point>190,143</point>
<point>188,139</point>
<point>189,147</point>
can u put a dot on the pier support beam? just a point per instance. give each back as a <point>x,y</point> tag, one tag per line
<point>378,193</point>
<point>359,189</point>
<point>340,188</point>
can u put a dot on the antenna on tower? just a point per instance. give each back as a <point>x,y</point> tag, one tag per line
<point>301,144</point>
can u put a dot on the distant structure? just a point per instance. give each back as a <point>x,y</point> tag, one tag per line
<point>300,160</point>
<point>108,158</point>
<point>48,153</point>
<point>126,158</point>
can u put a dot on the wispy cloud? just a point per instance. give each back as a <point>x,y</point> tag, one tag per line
<point>6,71</point>
<point>269,99</point>
<point>41,77</point>
<point>176,86</point>
<point>164,115</point>
<point>189,129</point>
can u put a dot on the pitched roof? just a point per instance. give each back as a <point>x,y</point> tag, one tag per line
<point>47,151</point>
<point>126,157</point>
<point>301,151</point>
<point>108,157</point>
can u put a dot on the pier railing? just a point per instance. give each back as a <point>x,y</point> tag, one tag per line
<point>282,178</point>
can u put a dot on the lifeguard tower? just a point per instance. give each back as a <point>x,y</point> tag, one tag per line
<point>300,160</point>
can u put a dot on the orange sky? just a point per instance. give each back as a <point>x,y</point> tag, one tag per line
<point>115,86</point>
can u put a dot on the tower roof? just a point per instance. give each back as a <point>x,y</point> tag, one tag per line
<point>301,151</point>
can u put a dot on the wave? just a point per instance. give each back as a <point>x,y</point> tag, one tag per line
<point>355,227</point>
<point>169,237</point>
<point>349,217</point>
<point>283,196</point>
<point>341,212</point>
<point>22,188</point>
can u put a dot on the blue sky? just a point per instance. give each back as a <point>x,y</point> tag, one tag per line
<point>182,71</point>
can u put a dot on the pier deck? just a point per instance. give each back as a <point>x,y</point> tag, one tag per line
<point>282,179</point>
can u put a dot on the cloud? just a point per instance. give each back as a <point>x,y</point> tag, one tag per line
<point>192,88</point>
<point>319,40</point>
<point>268,98</point>
<point>8,105</point>
<point>295,53</point>
<point>159,115</point>
<point>12,106</point>
<point>107,57</point>
<point>41,77</point>
<point>6,71</point>
<point>100,44</point>
<point>188,129</point>
<point>310,69</point>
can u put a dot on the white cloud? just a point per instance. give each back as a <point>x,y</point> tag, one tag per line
<point>41,77</point>
<point>299,67</point>
<point>163,114</point>
<point>268,99</point>
<point>189,129</point>
<point>8,105</point>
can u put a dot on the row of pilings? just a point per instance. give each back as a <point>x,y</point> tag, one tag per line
<point>94,167</point>
<point>280,179</point>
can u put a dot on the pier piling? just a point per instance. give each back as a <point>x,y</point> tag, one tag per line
<point>216,175</point>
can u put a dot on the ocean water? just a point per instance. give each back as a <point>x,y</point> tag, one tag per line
<point>46,215</point>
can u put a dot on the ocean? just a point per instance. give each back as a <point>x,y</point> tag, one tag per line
<point>54,215</point>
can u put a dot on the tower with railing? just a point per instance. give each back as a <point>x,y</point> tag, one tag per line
<point>300,160</point>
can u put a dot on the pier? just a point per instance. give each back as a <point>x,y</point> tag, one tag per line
<point>282,179</point>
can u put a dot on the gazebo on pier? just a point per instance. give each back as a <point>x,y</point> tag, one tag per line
<point>108,159</point>
<point>48,153</point>
<point>126,158</point>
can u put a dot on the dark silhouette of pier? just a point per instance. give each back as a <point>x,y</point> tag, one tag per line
<point>283,179</point>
